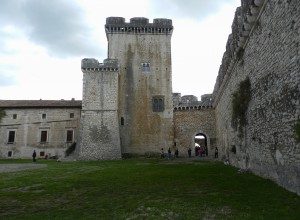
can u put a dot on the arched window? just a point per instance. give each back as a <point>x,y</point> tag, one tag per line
<point>158,104</point>
<point>146,67</point>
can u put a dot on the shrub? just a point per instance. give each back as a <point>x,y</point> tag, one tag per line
<point>240,103</point>
<point>2,114</point>
<point>297,131</point>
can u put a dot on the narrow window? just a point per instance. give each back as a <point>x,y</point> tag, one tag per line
<point>71,115</point>
<point>11,137</point>
<point>155,105</point>
<point>122,121</point>
<point>44,136</point>
<point>160,105</point>
<point>44,116</point>
<point>14,116</point>
<point>69,136</point>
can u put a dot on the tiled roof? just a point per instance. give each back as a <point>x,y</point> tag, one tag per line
<point>40,103</point>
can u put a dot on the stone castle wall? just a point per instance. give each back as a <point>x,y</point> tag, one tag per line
<point>264,46</point>
<point>144,52</point>
<point>190,122</point>
<point>99,126</point>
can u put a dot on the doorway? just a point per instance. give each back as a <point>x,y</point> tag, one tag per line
<point>201,148</point>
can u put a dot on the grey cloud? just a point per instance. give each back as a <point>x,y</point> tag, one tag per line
<point>57,25</point>
<point>195,9</point>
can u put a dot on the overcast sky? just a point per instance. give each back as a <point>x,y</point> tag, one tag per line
<point>42,42</point>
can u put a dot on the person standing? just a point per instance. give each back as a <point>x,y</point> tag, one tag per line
<point>162,154</point>
<point>34,156</point>
<point>216,153</point>
<point>169,154</point>
<point>189,152</point>
<point>176,153</point>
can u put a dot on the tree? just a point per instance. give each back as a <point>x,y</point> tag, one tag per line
<point>2,114</point>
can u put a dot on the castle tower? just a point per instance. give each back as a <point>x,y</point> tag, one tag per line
<point>99,127</point>
<point>145,82</point>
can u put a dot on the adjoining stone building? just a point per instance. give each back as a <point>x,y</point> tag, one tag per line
<point>128,106</point>
<point>48,126</point>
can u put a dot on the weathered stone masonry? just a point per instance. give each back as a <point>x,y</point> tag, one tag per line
<point>143,50</point>
<point>25,121</point>
<point>189,123</point>
<point>264,46</point>
<point>128,107</point>
<point>193,117</point>
<point>99,127</point>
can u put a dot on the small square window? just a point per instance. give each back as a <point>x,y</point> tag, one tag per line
<point>42,153</point>
<point>14,116</point>
<point>44,116</point>
<point>9,153</point>
<point>71,115</point>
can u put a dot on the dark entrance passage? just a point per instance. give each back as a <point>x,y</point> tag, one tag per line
<point>201,148</point>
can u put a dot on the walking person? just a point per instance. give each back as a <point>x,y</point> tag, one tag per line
<point>189,152</point>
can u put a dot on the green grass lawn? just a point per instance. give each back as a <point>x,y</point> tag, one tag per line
<point>141,189</point>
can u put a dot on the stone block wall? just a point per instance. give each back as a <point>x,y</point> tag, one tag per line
<point>99,125</point>
<point>269,55</point>
<point>143,50</point>
<point>188,123</point>
<point>100,138</point>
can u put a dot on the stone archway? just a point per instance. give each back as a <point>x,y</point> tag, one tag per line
<point>203,141</point>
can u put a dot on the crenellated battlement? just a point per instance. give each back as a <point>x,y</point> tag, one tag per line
<point>91,64</point>
<point>196,107</point>
<point>190,102</point>
<point>244,22</point>
<point>138,25</point>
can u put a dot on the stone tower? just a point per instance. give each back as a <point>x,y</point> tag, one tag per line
<point>145,82</point>
<point>99,127</point>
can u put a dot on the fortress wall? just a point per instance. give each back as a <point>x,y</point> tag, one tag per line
<point>99,126</point>
<point>269,54</point>
<point>135,44</point>
<point>188,123</point>
<point>99,136</point>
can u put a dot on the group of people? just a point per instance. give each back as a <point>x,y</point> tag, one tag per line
<point>162,154</point>
<point>199,152</point>
<point>34,156</point>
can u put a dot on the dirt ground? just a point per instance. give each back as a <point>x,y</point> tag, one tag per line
<point>4,168</point>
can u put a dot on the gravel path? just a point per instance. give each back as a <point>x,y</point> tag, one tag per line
<point>4,168</point>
